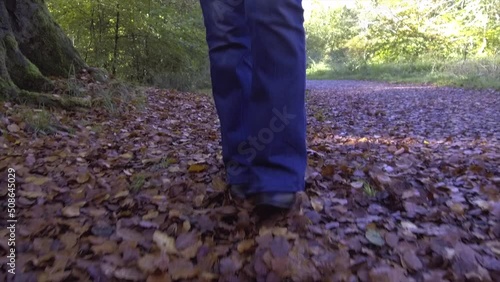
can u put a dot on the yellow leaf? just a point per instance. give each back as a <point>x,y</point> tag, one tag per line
<point>51,159</point>
<point>150,215</point>
<point>37,180</point>
<point>147,263</point>
<point>218,184</point>
<point>317,204</point>
<point>32,194</point>
<point>186,226</point>
<point>165,242</point>
<point>197,168</point>
<point>127,156</point>
<point>245,245</point>
<point>191,251</point>
<point>458,208</point>
<point>121,194</point>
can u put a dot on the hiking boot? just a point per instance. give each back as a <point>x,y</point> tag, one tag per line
<point>238,191</point>
<point>277,199</point>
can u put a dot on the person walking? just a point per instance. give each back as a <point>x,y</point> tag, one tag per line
<point>258,73</point>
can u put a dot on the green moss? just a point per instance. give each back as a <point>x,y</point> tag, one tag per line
<point>8,90</point>
<point>52,51</point>
<point>22,72</point>
<point>10,41</point>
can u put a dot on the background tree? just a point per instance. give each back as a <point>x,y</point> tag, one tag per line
<point>153,41</point>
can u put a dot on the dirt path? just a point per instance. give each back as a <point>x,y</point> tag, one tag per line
<point>402,185</point>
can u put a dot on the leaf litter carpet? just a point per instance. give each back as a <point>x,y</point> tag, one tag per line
<point>402,185</point>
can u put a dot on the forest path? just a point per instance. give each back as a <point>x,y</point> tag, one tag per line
<point>402,185</point>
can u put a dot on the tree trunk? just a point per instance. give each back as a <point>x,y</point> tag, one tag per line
<point>32,48</point>
<point>117,33</point>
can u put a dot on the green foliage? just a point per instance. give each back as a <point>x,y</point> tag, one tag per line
<point>472,73</point>
<point>137,182</point>
<point>441,41</point>
<point>395,31</point>
<point>138,40</point>
<point>39,121</point>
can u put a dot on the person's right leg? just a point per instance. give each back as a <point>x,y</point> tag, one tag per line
<point>277,148</point>
<point>231,71</point>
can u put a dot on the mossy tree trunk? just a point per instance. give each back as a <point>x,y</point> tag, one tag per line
<point>32,48</point>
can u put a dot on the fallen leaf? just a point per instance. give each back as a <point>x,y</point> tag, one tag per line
<point>38,180</point>
<point>150,215</point>
<point>165,242</point>
<point>127,156</point>
<point>245,245</point>
<point>387,274</point>
<point>411,260</point>
<point>83,178</point>
<point>129,235</point>
<point>182,269</point>
<point>317,204</point>
<point>147,263</point>
<point>71,211</point>
<point>121,194</point>
<point>131,274</point>
<point>357,184</point>
<point>107,247</point>
<point>494,247</point>
<point>13,128</point>
<point>195,168</point>
<point>374,237</point>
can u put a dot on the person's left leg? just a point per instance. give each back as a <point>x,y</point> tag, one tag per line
<point>230,66</point>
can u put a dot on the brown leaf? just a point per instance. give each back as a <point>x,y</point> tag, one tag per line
<point>391,239</point>
<point>328,171</point>
<point>32,194</point>
<point>458,208</point>
<point>280,247</point>
<point>182,269</point>
<point>150,215</point>
<point>147,263</point>
<point>121,194</point>
<point>245,245</point>
<point>387,274</point>
<point>164,277</point>
<point>69,239</point>
<point>38,180</point>
<point>107,247</point>
<point>188,244</point>
<point>83,178</point>
<point>218,184</point>
<point>411,260</point>
<point>129,235</point>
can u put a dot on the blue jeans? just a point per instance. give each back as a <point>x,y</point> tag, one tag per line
<point>257,62</point>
